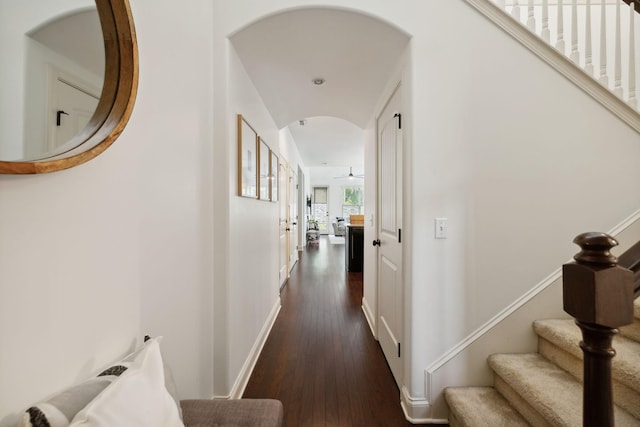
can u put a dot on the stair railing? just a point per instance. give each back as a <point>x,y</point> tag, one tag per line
<point>599,36</point>
<point>599,294</point>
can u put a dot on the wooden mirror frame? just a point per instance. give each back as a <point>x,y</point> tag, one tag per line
<point>116,101</point>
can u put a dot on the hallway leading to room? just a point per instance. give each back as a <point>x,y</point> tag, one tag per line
<point>321,360</point>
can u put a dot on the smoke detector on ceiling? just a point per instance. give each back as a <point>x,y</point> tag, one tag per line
<point>318,81</point>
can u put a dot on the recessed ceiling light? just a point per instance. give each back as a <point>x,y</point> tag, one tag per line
<point>318,81</point>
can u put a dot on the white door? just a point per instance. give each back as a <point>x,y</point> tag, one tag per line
<point>72,109</point>
<point>283,178</point>
<point>293,218</point>
<point>390,308</point>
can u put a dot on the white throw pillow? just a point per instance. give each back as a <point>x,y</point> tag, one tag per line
<point>137,398</point>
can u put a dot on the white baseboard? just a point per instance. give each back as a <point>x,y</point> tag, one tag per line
<point>418,410</point>
<point>250,363</point>
<point>368,314</point>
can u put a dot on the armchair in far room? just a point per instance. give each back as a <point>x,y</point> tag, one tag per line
<point>339,227</point>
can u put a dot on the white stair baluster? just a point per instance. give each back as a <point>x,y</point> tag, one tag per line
<point>588,48</point>
<point>633,102</point>
<point>515,10</point>
<point>545,33</point>
<point>531,20</point>
<point>617,72</point>
<point>501,4</point>
<point>603,78</point>
<point>560,42</point>
<point>575,55</point>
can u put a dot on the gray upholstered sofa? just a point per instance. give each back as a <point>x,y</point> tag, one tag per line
<point>339,227</point>
<point>138,391</point>
<point>240,412</point>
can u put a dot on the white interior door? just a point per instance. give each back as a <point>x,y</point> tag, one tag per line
<point>283,178</point>
<point>390,287</point>
<point>300,219</point>
<point>72,109</point>
<point>293,218</point>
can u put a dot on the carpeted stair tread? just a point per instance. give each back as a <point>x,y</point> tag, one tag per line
<point>633,331</point>
<point>480,406</point>
<point>565,334</point>
<point>552,392</point>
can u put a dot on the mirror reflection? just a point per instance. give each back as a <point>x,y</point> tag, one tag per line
<point>52,75</point>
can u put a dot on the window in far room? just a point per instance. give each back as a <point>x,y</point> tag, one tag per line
<point>353,201</point>
<point>320,207</point>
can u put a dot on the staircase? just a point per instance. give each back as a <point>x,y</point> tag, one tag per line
<point>593,44</point>
<point>544,388</point>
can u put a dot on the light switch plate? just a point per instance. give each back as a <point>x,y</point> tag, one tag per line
<point>441,228</point>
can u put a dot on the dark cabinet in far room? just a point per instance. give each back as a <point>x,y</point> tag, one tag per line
<point>354,247</point>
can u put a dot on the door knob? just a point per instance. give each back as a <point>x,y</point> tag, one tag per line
<point>376,242</point>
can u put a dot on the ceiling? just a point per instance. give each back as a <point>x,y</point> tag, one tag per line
<point>354,53</point>
<point>78,37</point>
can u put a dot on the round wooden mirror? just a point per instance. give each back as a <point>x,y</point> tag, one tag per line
<point>115,102</point>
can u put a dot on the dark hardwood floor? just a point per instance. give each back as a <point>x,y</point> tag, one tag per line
<point>321,360</point>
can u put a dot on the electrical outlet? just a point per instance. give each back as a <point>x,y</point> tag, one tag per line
<point>441,228</point>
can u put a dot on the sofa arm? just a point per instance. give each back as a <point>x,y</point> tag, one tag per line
<point>240,412</point>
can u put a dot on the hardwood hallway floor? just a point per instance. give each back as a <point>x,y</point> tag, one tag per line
<point>321,359</point>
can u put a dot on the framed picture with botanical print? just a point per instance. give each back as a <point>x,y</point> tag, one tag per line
<point>264,160</point>
<point>247,159</point>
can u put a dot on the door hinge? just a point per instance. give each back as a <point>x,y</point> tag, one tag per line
<point>399,116</point>
<point>399,235</point>
<point>398,349</point>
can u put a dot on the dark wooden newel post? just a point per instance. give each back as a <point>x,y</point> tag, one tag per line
<point>599,294</point>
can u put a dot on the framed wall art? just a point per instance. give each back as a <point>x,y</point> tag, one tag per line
<point>274,177</point>
<point>264,161</point>
<point>247,159</point>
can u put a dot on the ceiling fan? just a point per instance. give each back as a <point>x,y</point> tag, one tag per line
<point>350,175</point>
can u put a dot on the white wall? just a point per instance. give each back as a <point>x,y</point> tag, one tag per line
<point>247,299</point>
<point>96,256</point>
<point>251,294</point>
<point>170,137</point>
